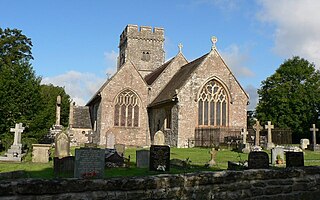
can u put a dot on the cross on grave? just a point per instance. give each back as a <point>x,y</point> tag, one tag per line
<point>213,153</point>
<point>257,127</point>
<point>314,130</point>
<point>244,134</point>
<point>17,133</point>
<point>89,135</point>
<point>269,127</point>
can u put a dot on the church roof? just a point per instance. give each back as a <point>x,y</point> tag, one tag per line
<point>81,117</point>
<point>177,81</point>
<point>150,78</point>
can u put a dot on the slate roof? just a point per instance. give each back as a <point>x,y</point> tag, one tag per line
<point>150,78</point>
<point>177,81</point>
<point>81,117</point>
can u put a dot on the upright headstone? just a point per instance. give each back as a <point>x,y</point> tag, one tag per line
<point>41,153</point>
<point>15,151</point>
<point>258,160</point>
<point>159,158</point>
<point>120,149</point>
<point>143,157</point>
<point>257,127</point>
<point>314,146</point>
<point>62,145</point>
<point>245,145</point>
<point>110,140</point>
<point>276,153</point>
<point>158,138</point>
<point>294,159</point>
<point>89,163</point>
<point>304,143</point>
<point>270,144</point>
<point>90,143</point>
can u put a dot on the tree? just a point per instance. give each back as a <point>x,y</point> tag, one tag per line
<point>290,98</point>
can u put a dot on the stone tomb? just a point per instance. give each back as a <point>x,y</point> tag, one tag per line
<point>143,157</point>
<point>89,163</point>
<point>294,159</point>
<point>41,153</point>
<point>258,160</point>
<point>159,158</point>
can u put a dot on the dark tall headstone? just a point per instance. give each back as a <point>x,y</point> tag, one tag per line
<point>159,158</point>
<point>294,159</point>
<point>258,160</point>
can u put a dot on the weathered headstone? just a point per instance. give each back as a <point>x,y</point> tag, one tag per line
<point>270,144</point>
<point>257,127</point>
<point>245,147</point>
<point>158,138</point>
<point>213,153</point>
<point>294,159</point>
<point>62,145</point>
<point>120,149</point>
<point>142,157</point>
<point>304,143</point>
<point>159,158</point>
<point>41,153</point>
<point>258,160</point>
<point>314,146</point>
<point>276,153</point>
<point>110,140</point>
<point>89,163</point>
<point>15,152</point>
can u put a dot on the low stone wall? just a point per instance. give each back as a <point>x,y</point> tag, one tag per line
<point>294,183</point>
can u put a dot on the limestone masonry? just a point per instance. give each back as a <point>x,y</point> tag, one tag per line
<point>148,94</point>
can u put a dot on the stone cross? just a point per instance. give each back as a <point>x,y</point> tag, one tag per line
<point>214,40</point>
<point>257,127</point>
<point>269,127</point>
<point>89,135</point>
<point>180,47</point>
<point>58,105</point>
<point>244,134</point>
<point>213,153</point>
<point>17,133</point>
<point>314,130</point>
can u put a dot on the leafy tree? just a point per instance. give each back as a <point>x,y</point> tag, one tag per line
<point>290,98</point>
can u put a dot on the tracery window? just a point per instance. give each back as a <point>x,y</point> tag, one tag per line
<point>126,109</point>
<point>213,105</point>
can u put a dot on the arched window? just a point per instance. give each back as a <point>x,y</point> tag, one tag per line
<point>213,105</point>
<point>126,109</point>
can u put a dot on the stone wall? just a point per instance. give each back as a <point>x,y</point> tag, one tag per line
<point>286,184</point>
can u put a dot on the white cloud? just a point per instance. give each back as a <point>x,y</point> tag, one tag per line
<point>254,97</point>
<point>111,59</point>
<point>237,60</point>
<point>80,86</point>
<point>297,27</point>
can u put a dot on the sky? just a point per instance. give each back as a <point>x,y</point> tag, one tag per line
<point>75,42</point>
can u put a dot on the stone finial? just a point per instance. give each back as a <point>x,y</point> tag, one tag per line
<point>214,40</point>
<point>180,47</point>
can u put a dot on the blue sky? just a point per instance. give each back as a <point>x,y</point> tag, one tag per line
<point>75,43</point>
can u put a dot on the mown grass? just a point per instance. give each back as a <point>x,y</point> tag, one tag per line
<point>198,157</point>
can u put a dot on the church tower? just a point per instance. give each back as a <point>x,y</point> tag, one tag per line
<point>143,47</point>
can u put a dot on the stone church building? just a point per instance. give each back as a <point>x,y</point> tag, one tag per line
<point>186,101</point>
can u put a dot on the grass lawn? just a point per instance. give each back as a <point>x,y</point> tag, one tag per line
<point>198,157</point>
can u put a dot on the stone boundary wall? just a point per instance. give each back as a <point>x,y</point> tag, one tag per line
<point>286,184</point>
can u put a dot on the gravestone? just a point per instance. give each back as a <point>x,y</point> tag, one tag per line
<point>120,149</point>
<point>245,147</point>
<point>41,153</point>
<point>276,152</point>
<point>294,159</point>
<point>159,158</point>
<point>142,158</point>
<point>62,166</point>
<point>258,160</point>
<point>314,146</point>
<point>89,163</point>
<point>15,152</point>
<point>257,127</point>
<point>158,138</point>
<point>62,145</point>
<point>304,143</point>
<point>110,140</point>
<point>270,144</point>
<point>89,143</point>
<point>213,153</point>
